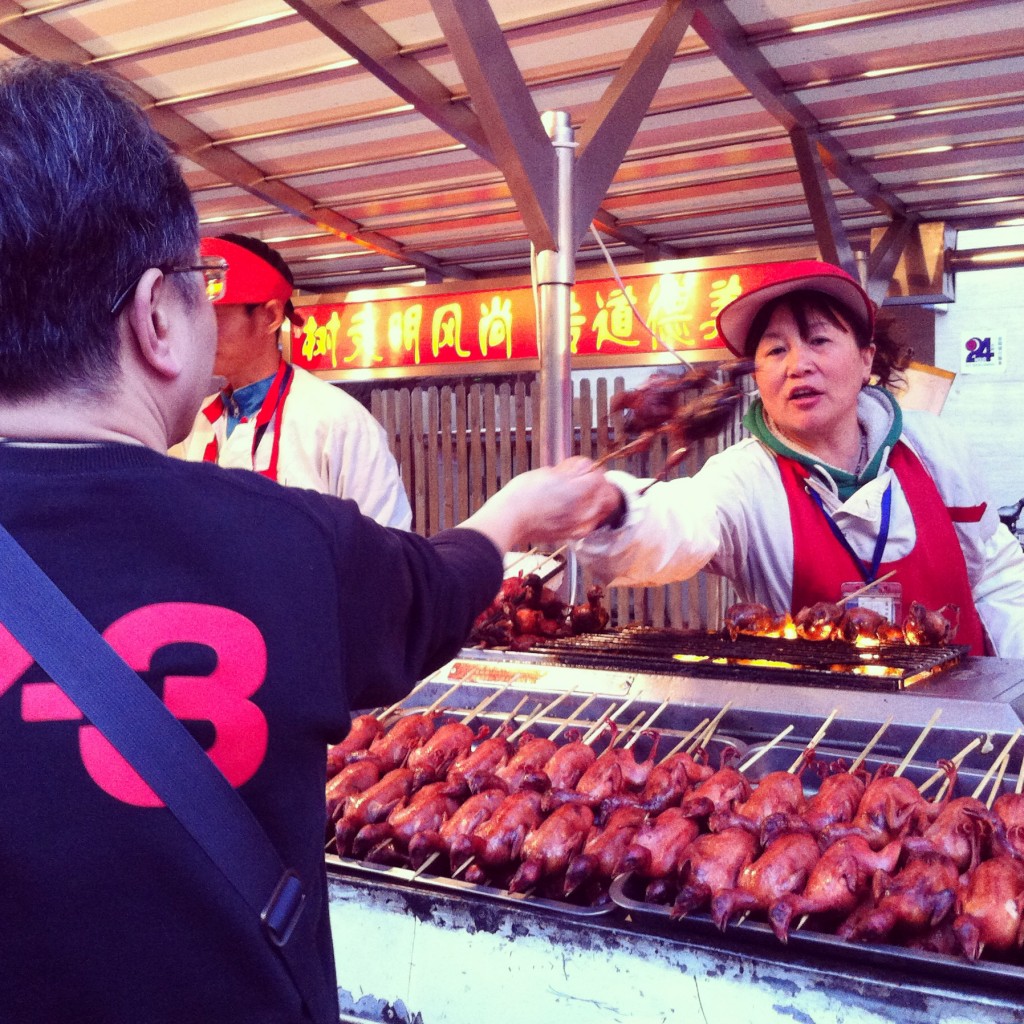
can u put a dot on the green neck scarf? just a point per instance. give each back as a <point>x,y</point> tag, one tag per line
<point>846,483</point>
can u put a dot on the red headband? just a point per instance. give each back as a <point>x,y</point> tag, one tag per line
<point>250,278</point>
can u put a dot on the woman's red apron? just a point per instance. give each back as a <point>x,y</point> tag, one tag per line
<point>934,572</point>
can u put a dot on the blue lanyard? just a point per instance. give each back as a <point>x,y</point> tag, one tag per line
<point>869,573</point>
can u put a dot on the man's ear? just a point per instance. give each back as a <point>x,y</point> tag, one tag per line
<point>150,316</point>
<point>272,315</point>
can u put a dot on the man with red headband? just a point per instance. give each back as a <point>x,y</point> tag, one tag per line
<point>280,420</point>
<point>836,488</point>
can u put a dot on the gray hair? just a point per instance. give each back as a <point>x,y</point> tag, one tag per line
<point>90,198</point>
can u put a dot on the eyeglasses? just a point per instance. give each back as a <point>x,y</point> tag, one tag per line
<point>215,275</point>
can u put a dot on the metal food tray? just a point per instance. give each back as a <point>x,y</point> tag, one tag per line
<point>627,890</point>
<point>672,726</point>
<point>439,883</point>
<point>626,893</point>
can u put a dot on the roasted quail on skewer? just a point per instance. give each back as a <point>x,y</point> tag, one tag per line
<point>656,409</point>
<point>836,883</point>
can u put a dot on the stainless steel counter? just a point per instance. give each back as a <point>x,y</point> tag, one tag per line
<point>418,956</point>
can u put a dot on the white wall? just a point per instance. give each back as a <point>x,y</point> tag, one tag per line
<point>986,402</point>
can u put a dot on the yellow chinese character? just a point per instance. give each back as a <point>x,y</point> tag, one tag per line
<point>446,330</point>
<point>495,327</point>
<point>404,331</point>
<point>722,293</point>
<point>614,322</point>
<point>669,313</point>
<point>363,332</point>
<point>577,321</point>
<point>318,341</point>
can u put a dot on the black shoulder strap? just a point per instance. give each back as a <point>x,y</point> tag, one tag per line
<point>131,716</point>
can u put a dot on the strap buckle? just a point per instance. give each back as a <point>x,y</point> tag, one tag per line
<point>282,911</point>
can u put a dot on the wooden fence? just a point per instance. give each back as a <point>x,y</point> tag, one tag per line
<point>457,443</point>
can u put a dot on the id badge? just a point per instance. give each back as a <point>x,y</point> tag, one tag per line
<point>885,598</point>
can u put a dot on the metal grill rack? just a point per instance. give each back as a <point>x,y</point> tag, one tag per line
<point>886,667</point>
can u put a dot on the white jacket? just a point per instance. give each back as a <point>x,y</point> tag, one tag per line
<point>329,443</point>
<point>732,518</point>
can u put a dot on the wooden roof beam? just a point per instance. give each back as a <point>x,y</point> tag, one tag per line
<point>605,137</point>
<point>505,108</point>
<point>360,36</point>
<point>520,145</point>
<point>885,255</point>
<point>32,36</point>
<point>825,216</point>
<point>719,28</point>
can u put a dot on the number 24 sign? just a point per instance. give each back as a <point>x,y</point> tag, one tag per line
<point>982,354</point>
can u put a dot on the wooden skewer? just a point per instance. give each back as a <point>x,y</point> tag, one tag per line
<point>537,551</point>
<point>866,587</point>
<point>813,742</point>
<point>1020,779</point>
<point>714,724</point>
<point>527,722</point>
<point>558,551</point>
<point>426,864</point>
<point>483,705</point>
<point>801,922</point>
<point>626,730</point>
<point>558,700</point>
<point>573,716</point>
<point>522,558</point>
<point>1003,754</point>
<point>764,750</point>
<point>444,696</point>
<point>654,714</point>
<point>381,715</point>
<point>957,759</point>
<point>996,769</point>
<point>686,739</point>
<point>591,734</point>
<point>674,458</point>
<point>997,785</point>
<point>511,716</point>
<point>705,738</point>
<point>610,714</point>
<point>871,743</point>
<point>917,743</point>
<point>462,867</point>
<point>538,713</point>
<point>622,451</point>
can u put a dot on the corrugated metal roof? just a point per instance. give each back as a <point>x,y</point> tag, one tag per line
<point>346,134</point>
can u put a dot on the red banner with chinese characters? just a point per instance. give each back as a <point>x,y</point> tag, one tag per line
<point>471,329</point>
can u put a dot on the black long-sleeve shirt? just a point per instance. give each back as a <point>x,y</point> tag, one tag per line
<point>261,615</point>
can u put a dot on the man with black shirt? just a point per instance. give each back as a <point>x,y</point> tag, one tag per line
<point>111,913</point>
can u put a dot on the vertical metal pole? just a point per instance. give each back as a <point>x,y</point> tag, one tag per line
<point>555,274</point>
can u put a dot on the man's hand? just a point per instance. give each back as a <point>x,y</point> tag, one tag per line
<point>547,506</point>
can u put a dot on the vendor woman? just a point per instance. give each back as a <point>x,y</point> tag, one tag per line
<point>836,487</point>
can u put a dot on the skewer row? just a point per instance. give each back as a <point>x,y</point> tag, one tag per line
<point>588,816</point>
